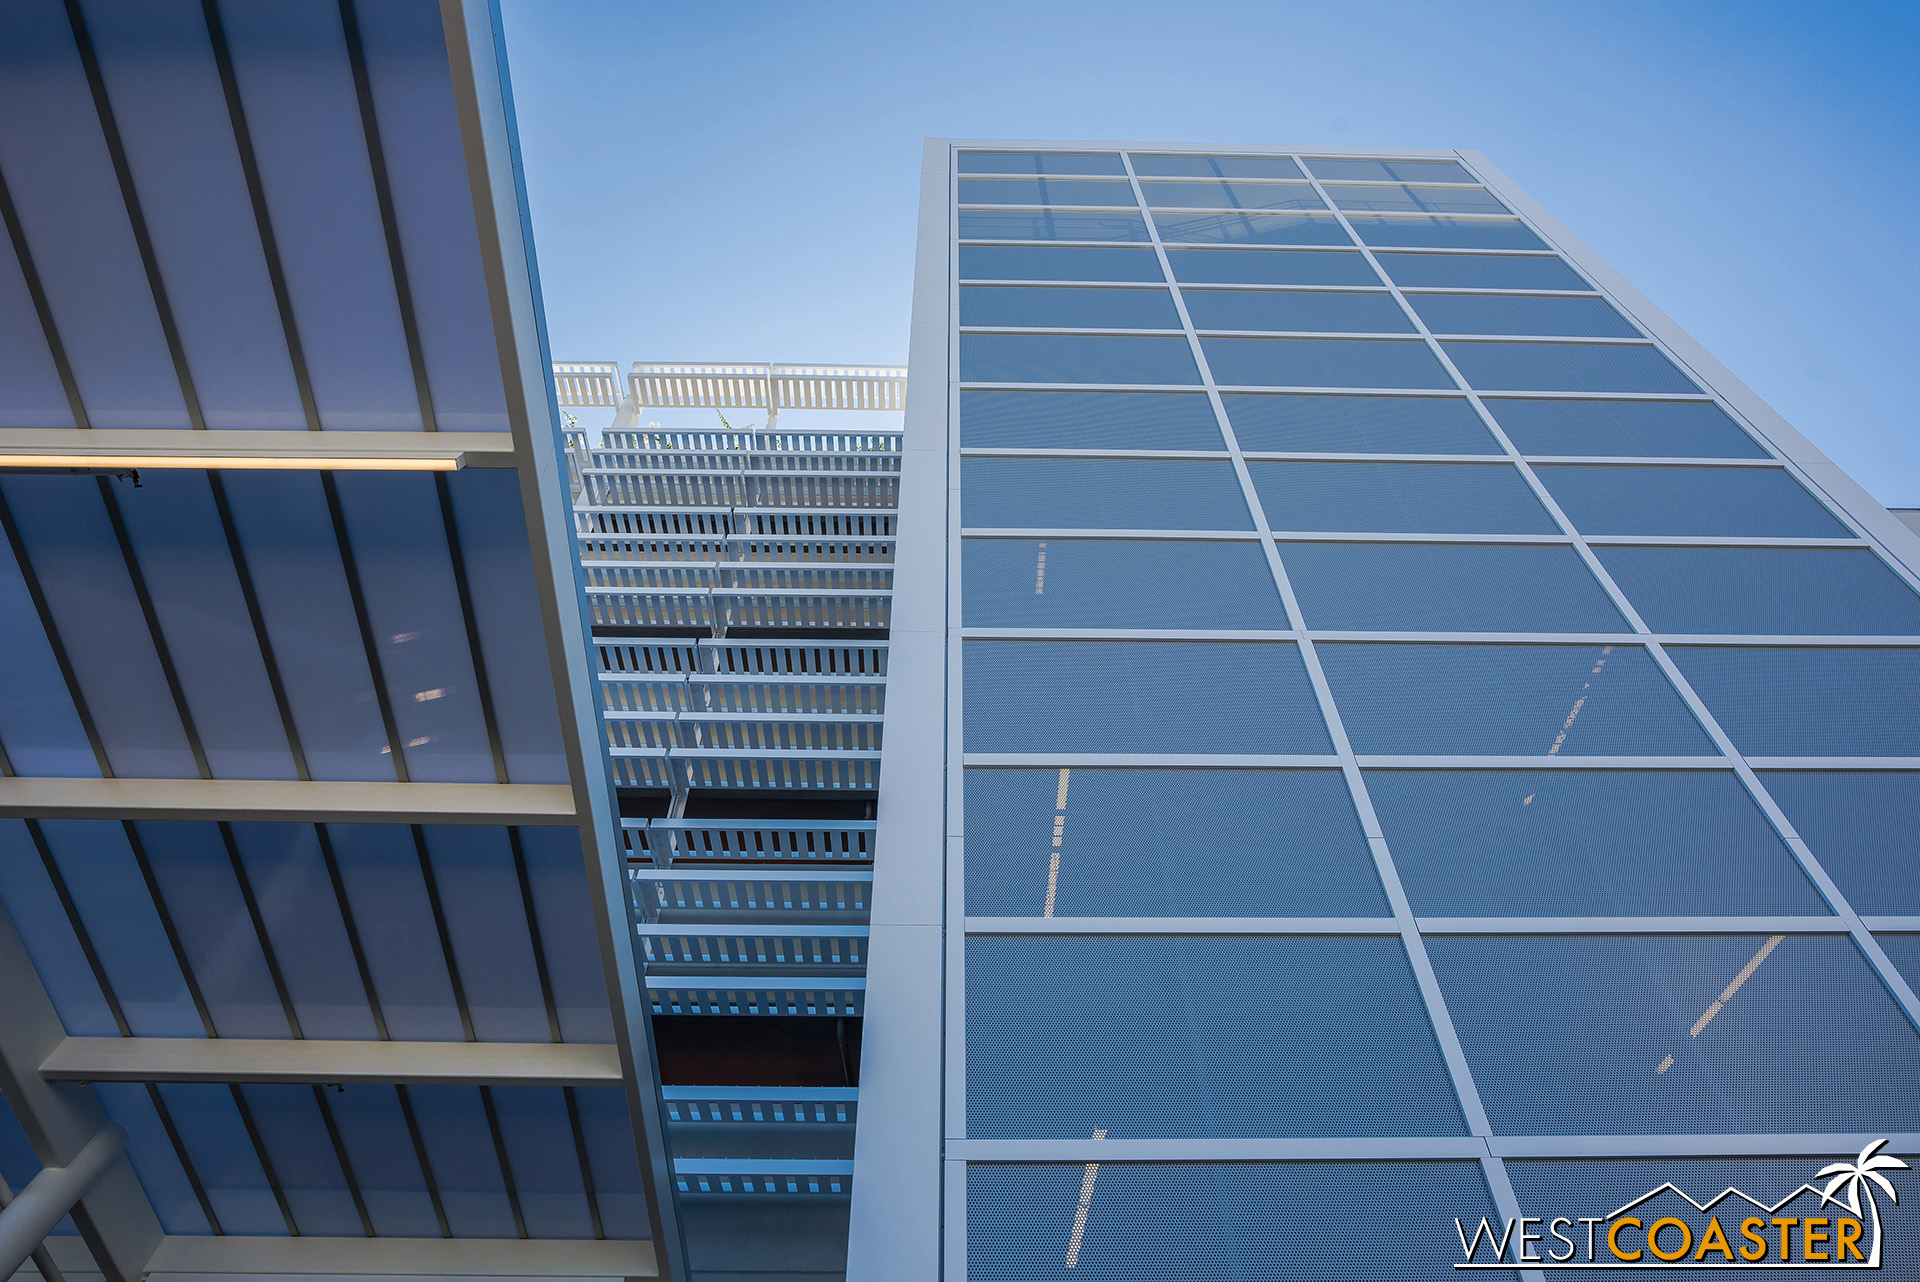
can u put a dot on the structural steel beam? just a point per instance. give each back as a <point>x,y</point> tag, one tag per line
<point>196,1059</point>
<point>489,135</point>
<point>400,1257</point>
<point>40,1206</point>
<point>288,801</point>
<point>62,1118</point>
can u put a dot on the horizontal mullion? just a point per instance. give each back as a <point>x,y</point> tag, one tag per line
<point>1080,387</point>
<point>1490,761</point>
<point>287,801</point>
<point>1645,460</point>
<point>1893,924</point>
<point>1030,532</point>
<point>785,874</point>
<point>1276,926</point>
<point>1076,1150</point>
<point>1487,289</point>
<point>1127,634</point>
<point>1001,451</point>
<point>1192,760</point>
<point>1182,926</point>
<point>1834,763</point>
<point>1548,338</point>
<point>1090,330</point>
<point>256,1059</point>
<point>1717,540</point>
<point>1030,208</point>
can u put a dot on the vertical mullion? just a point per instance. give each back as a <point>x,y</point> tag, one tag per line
<point>340,1155</point>
<point>266,1159</point>
<point>464,588</point>
<point>1428,982</point>
<point>368,642</point>
<point>136,217</point>
<point>167,927</point>
<point>389,221</point>
<point>152,618</point>
<point>260,930</point>
<point>426,1162</point>
<point>257,618</point>
<point>359,951</point>
<point>262,217</point>
<point>52,630</point>
<point>186,1161</point>
<point>41,309</point>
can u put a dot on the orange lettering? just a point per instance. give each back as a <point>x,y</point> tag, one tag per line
<point>1686,1238</point>
<point>1846,1238</point>
<point>1613,1238</point>
<point>1809,1239</point>
<point>1714,1239</point>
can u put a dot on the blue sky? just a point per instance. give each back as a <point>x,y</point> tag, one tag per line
<point>738,181</point>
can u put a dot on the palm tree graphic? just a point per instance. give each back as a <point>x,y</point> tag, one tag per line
<point>1859,1177</point>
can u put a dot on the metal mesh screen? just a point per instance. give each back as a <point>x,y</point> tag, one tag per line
<point>1412,498</point>
<point>1357,424</point>
<point>1811,591</point>
<point>1861,826</point>
<point>1647,429</point>
<point>1087,494</point>
<point>1089,420</point>
<point>1809,702</point>
<point>1757,501</point>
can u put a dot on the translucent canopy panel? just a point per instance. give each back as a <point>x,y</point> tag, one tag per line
<point>1064,308</point>
<point>1509,700</point>
<point>1158,697</point>
<point>1649,429</point>
<point>1411,498</point>
<point>376,601</point>
<point>1704,1035</point>
<point>1230,195</point>
<point>1282,310</point>
<point>1859,825</point>
<point>1712,501</point>
<point>1480,271</point>
<point>1084,494</point>
<point>1215,167</point>
<point>1446,587</point>
<point>1306,423</point>
<point>1270,267</point>
<point>1089,420</point>
<point>1117,583</point>
<point>1809,591</point>
<point>1245,1036</point>
<point>1040,162</point>
<point>329,899</point>
<point>1576,843</point>
<point>1022,224</point>
<point>1123,844</point>
<point>1807,701</point>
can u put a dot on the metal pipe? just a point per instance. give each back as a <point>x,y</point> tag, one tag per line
<point>27,1220</point>
<point>42,1258</point>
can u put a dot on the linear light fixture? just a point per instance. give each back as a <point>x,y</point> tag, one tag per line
<point>120,449</point>
<point>310,463</point>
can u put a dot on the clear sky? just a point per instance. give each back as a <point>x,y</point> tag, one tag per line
<point>737,181</point>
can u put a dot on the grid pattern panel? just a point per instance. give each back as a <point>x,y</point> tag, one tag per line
<point>1580,844</point>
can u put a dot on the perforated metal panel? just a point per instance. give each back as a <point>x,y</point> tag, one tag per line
<point>1139,696</point>
<point>1641,1035</point>
<point>1646,429</point>
<point>1250,229</point>
<point>1281,310</point>
<point>1323,362</point>
<point>1446,587</point>
<point>1280,267</point>
<point>1098,583</point>
<point>1159,1036</point>
<point>1862,827</point>
<point>1564,843</point>
<point>1035,306</point>
<point>1440,232</point>
<point>1566,367</point>
<point>1306,423</point>
<point>1753,501</point>
<point>1083,494</point>
<point>1529,700</point>
<point>1809,702</point>
<point>1089,420</point>
<point>1075,358</point>
<point>1181,843</point>
<point>1481,271</point>
<point>1414,498</point>
<point>1043,262</point>
<point>1519,314</point>
<point>1814,591</point>
<point>1051,224</point>
<point>1326,1222</point>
